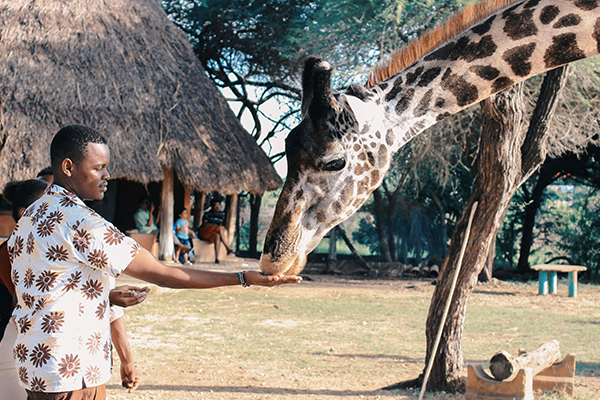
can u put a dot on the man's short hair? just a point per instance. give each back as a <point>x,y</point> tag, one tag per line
<point>143,198</point>
<point>44,172</point>
<point>71,142</point>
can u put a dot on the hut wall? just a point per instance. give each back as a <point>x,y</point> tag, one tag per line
<point>121,200</point>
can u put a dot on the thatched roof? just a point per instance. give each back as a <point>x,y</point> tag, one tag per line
<point>122,67</point>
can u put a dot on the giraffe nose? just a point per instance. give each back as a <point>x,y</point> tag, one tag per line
<point>272,247</point>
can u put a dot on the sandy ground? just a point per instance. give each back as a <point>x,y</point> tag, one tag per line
<point>226,379</point>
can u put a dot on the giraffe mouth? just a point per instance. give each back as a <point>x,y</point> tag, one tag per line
<point>284,252</point>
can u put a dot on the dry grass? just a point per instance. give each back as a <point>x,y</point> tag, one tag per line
<point>336,338</point>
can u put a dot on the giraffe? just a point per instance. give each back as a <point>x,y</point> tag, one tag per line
<point>343,146</point>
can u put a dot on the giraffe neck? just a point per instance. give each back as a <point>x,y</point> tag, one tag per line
<point>520,41</point>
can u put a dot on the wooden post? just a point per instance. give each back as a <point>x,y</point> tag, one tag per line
<point>199,209</point>
<point>187,201</point>
<point>573,284</point>
<point>552,281</point>
<point>166,222</point>
<point>230,217</point>
<point>543,282</point>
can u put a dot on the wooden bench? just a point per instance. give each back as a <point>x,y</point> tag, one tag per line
<point>548,277</point>
<point>204,251</point>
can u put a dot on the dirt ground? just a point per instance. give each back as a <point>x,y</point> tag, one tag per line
<point>226,379</point>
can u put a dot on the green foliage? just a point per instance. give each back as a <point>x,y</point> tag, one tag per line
<point>253,50</point>
<point>580,227</point>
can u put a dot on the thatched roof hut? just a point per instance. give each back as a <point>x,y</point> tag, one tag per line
<point>122,67</point>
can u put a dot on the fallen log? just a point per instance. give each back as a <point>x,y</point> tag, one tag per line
<point>504,366</point>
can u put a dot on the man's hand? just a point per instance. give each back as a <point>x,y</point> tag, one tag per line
<point>130,377</point>
<point>257,278</point>
<point>126,295</point>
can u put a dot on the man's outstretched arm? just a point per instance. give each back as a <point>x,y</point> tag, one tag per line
<point>147,268</point>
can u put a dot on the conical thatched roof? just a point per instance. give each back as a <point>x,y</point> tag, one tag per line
<point>122,67</point>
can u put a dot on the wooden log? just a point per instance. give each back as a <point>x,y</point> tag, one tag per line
<point>504,366</point>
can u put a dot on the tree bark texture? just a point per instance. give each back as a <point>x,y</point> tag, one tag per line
<point>255,201</point>
<point>498,173</point>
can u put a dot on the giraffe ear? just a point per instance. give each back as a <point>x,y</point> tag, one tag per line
<point>317,98</point>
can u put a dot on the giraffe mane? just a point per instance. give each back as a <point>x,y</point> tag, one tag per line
<point>433,38</point>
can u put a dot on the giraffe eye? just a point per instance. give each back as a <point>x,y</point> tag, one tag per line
<point>334,165</point>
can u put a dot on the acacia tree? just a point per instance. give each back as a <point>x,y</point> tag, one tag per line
<point>253,50</point>
<point>508,155</point>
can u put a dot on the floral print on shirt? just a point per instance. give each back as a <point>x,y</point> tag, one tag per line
<point>63,256</point>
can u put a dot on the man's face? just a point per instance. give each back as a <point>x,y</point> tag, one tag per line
<point>89,177</point>
<point>145,205</point>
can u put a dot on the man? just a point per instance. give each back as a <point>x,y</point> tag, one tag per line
<point>63,255</point>
<point>144,216</point>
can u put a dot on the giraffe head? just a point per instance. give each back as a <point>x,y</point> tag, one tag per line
<point>336,157</point>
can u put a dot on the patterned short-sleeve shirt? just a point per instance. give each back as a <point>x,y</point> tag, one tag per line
<point>63,255</point>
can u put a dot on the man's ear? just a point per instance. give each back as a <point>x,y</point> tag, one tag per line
<point>67,167</point>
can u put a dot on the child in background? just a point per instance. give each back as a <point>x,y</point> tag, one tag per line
<point>183,233</point>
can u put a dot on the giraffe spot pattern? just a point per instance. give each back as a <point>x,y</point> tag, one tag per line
<point>532,3</point>
<point>486,72</point>
<point>378,135</point>
<point>395,89</point>
<point>374,176</point>
<point>423,106</point>
<point>463,91</point>
<point>370,156</point>
<point>596,34</point>
<point>586,5</point>
<point>501,83</point>
<point>440,102</point>
<point>389,137</point>
<point>548,14</point>
<point>484,27</point>
<point>362,156</point>
<point>567,20</point>
<point>442,116</point>
<point>382,156</point>
<point>411,77</point>
<point>404,102</point>
<point>563,50</point>
<point>518,58</point>
<point>348,190</point>
<point>359,169</point>
<point>520,25</point>
<point>428,76</point>
<point>363,186</point>
<point>464,49</point>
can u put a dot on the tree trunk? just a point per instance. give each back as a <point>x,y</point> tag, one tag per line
<point>497,176</point>
<point>507,157</point>
<point>255,200</point>
<point>380,223</point>
<point>488,268</point>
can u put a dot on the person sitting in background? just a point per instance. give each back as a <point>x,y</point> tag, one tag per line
<point>183,233</point>
<point>144,216</point>
<point>212,228</point>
